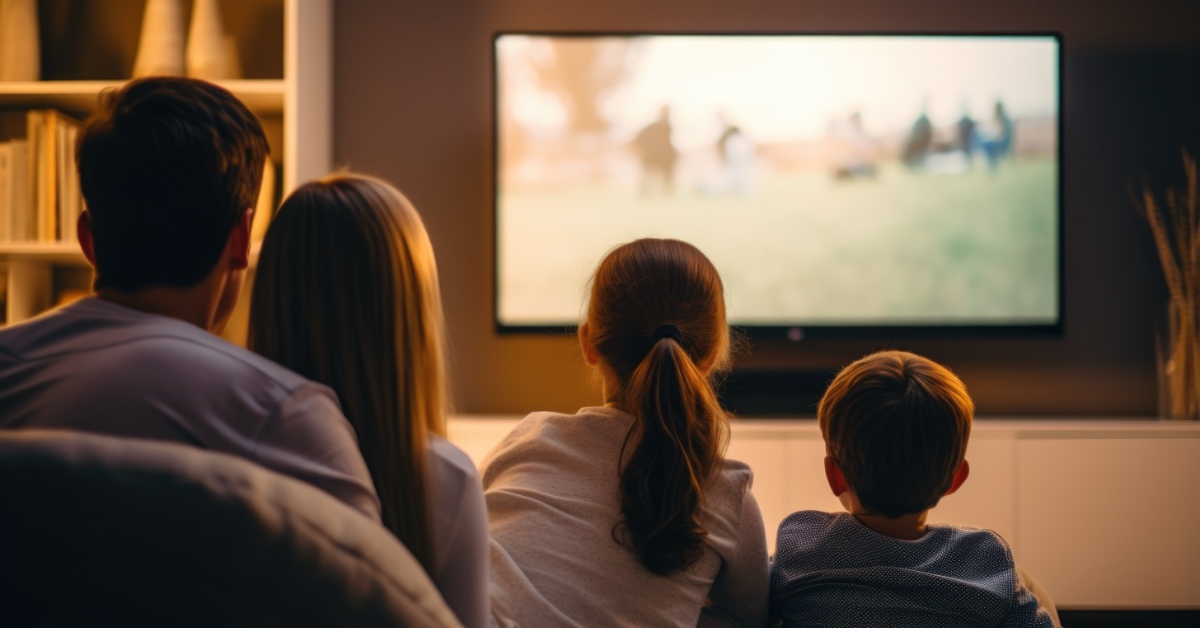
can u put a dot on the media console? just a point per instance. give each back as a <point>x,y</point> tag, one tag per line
<point>1105,513</point>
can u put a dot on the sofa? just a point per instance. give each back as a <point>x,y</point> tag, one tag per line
<point>97,530</point>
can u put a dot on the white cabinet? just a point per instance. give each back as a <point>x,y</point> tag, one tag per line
<point>1106,514</point>
<point>1110,522</point>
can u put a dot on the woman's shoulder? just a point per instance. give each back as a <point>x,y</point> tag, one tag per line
<point>450,460</point>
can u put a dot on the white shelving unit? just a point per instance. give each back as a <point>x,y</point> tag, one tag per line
<point>302,100</point>
<point>264,96</point>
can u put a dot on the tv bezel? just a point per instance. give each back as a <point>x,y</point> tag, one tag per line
<point>796,333</point>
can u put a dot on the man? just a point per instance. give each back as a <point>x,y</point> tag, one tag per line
<point>171,169</point>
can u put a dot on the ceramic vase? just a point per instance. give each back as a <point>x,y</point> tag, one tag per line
<point>160,50</point>
<point>206,46</point>
<point>20,47</point>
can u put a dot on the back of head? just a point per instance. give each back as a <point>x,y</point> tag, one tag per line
<point>897,425</point>
<point>346,294</point>
<point>167,166</point>
<point>656,320</point>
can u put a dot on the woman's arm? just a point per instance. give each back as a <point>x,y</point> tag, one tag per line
<point>462,552</point>
<point>743,586</point>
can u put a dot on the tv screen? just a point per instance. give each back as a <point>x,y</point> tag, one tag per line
<point>838,183</point>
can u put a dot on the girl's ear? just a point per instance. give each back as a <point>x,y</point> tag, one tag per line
<point>585,342</point>
<point>835,477</point>
<point>960,476</point>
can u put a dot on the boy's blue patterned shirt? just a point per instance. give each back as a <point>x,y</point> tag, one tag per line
<point>830,570</point>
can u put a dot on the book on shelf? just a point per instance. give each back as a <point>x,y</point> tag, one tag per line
<point>5,193</point>
<point>264,209</point>
<point>16,212</point>
<point>40,196</point>
<point>53,175</point>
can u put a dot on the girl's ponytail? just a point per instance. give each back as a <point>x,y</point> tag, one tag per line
<point>678,439</point>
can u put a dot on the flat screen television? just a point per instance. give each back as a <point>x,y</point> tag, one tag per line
<point>842,184</point>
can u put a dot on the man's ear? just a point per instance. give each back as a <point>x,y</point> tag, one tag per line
<point>83,231</point>
<point>835,477</point>
<point>960,476</point>
<point>585,342</point>
<point>238,244</point>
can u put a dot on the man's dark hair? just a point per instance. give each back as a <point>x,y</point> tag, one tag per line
<point>167,165</point>
<point>897,425</point>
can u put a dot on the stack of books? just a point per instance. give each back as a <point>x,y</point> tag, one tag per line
<point>40,197</point>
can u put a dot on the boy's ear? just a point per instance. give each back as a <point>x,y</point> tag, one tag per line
<point>835,477</point>
<point>585,342</point>
<point>960,476</point>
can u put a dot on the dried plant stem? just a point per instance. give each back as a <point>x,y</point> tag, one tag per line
<point>1183,366</point>
<point>1175,226</point>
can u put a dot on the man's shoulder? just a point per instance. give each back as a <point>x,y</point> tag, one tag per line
<point>95,334</point>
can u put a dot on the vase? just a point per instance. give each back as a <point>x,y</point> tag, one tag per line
<point>20,47</point>
<point>1179,362</point>
<point>206,46</point>
<point>160,50</point>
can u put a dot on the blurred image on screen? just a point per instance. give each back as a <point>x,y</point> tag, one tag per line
<point>833,180</point>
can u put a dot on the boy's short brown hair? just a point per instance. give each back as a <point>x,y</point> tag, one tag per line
<point>897,426</point>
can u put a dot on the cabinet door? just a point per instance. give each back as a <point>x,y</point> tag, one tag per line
<point>1111,522</point>
<point>986,500</point>
<point>765,453</point>
<point>477,436</point>
<point>807,488</point>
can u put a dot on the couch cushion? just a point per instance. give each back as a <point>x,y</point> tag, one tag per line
<point>102,529</point>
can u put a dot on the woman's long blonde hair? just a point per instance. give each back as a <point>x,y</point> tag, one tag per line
<point>346,294</point>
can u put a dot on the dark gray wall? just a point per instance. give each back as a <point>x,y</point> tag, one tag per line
<point>413,104</point>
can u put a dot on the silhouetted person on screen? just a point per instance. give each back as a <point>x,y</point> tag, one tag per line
<point>998,143</point>
<point>736,151</point>
<point>919,142</point>
<point>658,155</point>
<point>967,140</point>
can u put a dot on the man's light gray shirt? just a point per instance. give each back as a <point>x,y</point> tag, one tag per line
<point>99,367</point>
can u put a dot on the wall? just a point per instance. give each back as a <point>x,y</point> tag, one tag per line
<point>413,104</point>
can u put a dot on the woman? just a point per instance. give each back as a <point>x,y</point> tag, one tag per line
<point>629,514</point>
<point>346,294</point>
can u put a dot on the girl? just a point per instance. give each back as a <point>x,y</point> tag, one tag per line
<point>347,295</point>
<point>629,514</point>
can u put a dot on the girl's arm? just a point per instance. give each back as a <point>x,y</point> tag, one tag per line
<point>742,587</point>
<point>1026,581</point>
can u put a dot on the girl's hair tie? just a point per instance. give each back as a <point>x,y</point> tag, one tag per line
<point>667,331</point>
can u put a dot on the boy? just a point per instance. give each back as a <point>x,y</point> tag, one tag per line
<point>896,426</point>
<point>171,169</point>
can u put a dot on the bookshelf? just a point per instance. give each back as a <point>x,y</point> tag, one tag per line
<point>286,52</point>
<point>264,96</point>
